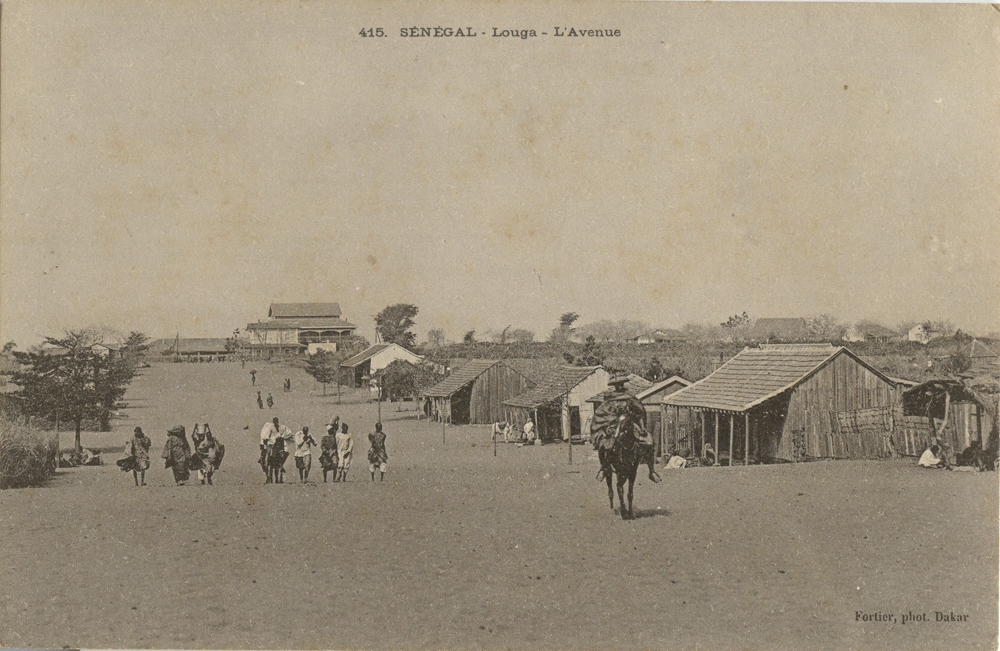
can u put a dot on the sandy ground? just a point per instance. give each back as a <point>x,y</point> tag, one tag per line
<point>461,549</point>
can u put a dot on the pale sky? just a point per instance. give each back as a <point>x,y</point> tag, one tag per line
<point>177,166</point>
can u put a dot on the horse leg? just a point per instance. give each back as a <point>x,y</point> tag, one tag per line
<point>631,483</point>
<point>611,492</point>
<point>626,514</point>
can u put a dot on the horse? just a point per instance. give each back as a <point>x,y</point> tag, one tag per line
<point>623,459</point>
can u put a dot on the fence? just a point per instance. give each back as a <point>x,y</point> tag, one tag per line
<point>878,432</point>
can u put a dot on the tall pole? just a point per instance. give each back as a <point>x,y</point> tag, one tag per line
<point>746,443</point>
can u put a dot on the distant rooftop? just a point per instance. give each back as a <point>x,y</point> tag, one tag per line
<point>303,310</point>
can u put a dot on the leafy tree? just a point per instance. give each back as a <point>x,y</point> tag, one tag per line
<point>324,367</point>
<point>568,319</point>
<point>654,371</point>
<point>522,336</point>
<point>401,379</point>
<point>736,321</point>
<point>825,327</point>
<point>394,322</point>
<point>70,379</point>
<point>592,355</point>
<point>565,328</point>
<point>9,347</point>
<point>435,338</point>
<point>470,337</point>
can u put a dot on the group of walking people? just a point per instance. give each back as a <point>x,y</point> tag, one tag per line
<point>336,451</point>
<point>178,455</point>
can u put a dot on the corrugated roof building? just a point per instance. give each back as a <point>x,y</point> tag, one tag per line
<point>475,393</point>
<point>558,404</point>
<point>777,402</point>
<point>295,328</point>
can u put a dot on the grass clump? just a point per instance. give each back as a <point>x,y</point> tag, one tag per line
<point>27,456</point>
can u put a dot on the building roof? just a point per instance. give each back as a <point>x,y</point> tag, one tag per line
<point>553,386</point>
<point>188,345</point>
<point>658,386</point>
<point>370,352</point>
<point>460,377</point>
<point>795,328</point>
<point>876,330</point>
<point>310,323</point>
<point>977,349</point>
<point>299,310</point>
<point>633,386</point>
<point>668,334</point>
<point>756,375</point>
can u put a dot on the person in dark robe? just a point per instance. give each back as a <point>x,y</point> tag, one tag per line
<point>620,411</point>
<point>177,453</point>
<point>972,456</point>
<point>377,455</point>
<point>260,401</point>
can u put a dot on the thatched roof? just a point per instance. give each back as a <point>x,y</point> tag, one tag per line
<point>460,377</point>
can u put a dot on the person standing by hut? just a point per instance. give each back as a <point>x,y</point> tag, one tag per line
<point>377,456</point>
<point>328,449</point>
<point>177,453</point>
<point>345,450</point>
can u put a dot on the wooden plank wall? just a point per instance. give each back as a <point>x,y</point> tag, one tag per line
<point>490,389</point>
<point>841,385</point>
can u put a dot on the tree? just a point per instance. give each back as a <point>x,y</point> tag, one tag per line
<point>69,378</point>
<point>592,355</point>
<point>401,379</point>
<point>565,328</point>
<point>567,320</point>
<point>435,338</point>
<point>470,337</point>
<point>825,327</point>
<point>737,326</point>
<point>521,336</point>
<point>324,367</point>
<point>9,347</point>
<point>394,322</point>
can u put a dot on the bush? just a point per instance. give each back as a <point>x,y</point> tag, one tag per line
<point>27,456</point>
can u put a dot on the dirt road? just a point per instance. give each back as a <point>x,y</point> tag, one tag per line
<point>461,549</point>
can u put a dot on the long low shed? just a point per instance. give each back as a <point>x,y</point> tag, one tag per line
<point>475,392</point>
<point>777,402</point>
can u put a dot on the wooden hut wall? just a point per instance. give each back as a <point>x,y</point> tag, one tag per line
<point>841,385</point>
<point>496,384</point>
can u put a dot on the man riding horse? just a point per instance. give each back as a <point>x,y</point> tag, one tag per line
<point>619,415</point>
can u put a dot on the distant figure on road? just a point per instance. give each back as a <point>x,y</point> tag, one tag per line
<point>253,377</point>
<point>260,401</point>
<point>377,456</point>
<point>345,450</point>
<point>288,385</point>
<point>136,456</point>
<point>270,401</point>
<point>270,434</point>
<point>207,456</point>
<point>303,452</point>
<point>176,453</point>
<point>328,447</point>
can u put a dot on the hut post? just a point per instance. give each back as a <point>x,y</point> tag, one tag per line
<point>716,438</point>
<point>732,427</point>
<point>746,442</point>
<point>979,424</point>
<point>965,423</point>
